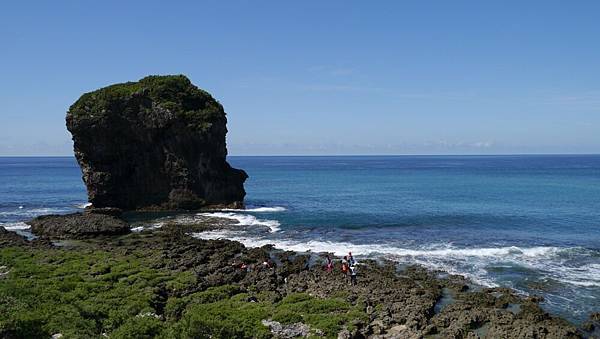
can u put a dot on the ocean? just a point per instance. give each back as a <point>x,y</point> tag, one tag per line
<point>531,223</point>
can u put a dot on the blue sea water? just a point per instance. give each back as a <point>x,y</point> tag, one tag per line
<point>527,222</point>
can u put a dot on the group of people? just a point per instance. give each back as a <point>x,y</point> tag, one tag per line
<point>348,267</point>
<point>348,264</point>
<point>265,265</point>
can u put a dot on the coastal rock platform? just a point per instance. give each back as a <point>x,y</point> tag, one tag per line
<point>173,284</point>
<point>78,225</point>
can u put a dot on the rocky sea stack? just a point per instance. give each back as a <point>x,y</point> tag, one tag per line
<point>155,143</point>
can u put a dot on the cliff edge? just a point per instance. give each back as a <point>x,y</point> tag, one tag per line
<point>155,143</point>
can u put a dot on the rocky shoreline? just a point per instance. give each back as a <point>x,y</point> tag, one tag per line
<point>287,294</point>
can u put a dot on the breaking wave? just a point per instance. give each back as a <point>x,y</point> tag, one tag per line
<point>474,263</point>
<point>15,226</point>
<point>257,209</point>
<point>245,220</point>
<point>23,212</point>
<point>241,222</point>
<point>341,248</point>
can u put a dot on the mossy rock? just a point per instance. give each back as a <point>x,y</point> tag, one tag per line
<point>154,144</point>
<point>174,94</point>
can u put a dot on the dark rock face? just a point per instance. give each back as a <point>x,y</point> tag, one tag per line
<point>155,143</point>
<point>592,326</point>
<point>8,238</point>
<point>77,225</point>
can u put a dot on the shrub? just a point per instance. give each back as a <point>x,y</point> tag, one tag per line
<point>139,327</point>
<point>229,318</point>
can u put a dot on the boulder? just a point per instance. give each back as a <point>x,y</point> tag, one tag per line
<point>9,238</point>
<point>113,211</point>
<point>158,143</point>
<point>77,225</point>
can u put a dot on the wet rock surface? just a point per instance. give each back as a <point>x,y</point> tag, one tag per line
<point>398,303</point>
<point>158,143</point>
<point>8,238</point>
<point>78,225</point>
<point>592,325</point>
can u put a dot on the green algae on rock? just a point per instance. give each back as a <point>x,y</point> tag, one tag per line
<point>156,143</point>
<point>175,93</point>
<point>166,284</point>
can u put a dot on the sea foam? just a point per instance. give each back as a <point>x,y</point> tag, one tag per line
<point>83,205</point>
<point>34,212</point>
<point>245,220</point>
<point>473,263</point>
<point>341,248</point>
<point>14,226</point>
<point>257,209</point>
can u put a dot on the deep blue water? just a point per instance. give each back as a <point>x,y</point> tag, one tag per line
<point>527,222</point>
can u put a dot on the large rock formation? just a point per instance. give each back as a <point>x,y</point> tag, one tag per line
<point>155,143</point>
<point>78,225</point>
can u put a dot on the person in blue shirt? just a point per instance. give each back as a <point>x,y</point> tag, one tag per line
<point>351,260</point>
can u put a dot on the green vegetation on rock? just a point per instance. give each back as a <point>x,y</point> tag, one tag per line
<point>85,292</point>
<point>166,284</point>
<point>175,94</point>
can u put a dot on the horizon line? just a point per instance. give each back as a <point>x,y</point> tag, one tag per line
<point>345,155</point>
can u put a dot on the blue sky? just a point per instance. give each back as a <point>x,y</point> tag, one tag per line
<point>320,77</point>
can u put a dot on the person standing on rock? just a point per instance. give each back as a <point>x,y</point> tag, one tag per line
<point>329,266</point>
<point>353,275</point>
<point>345,266</point>
<point>351,260</point>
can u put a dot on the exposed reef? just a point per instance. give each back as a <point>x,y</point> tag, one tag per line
<point>158,143</point>
<point>78,225</point>
<point>164,283</point>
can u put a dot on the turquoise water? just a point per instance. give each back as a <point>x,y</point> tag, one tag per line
<point>527,222</point>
